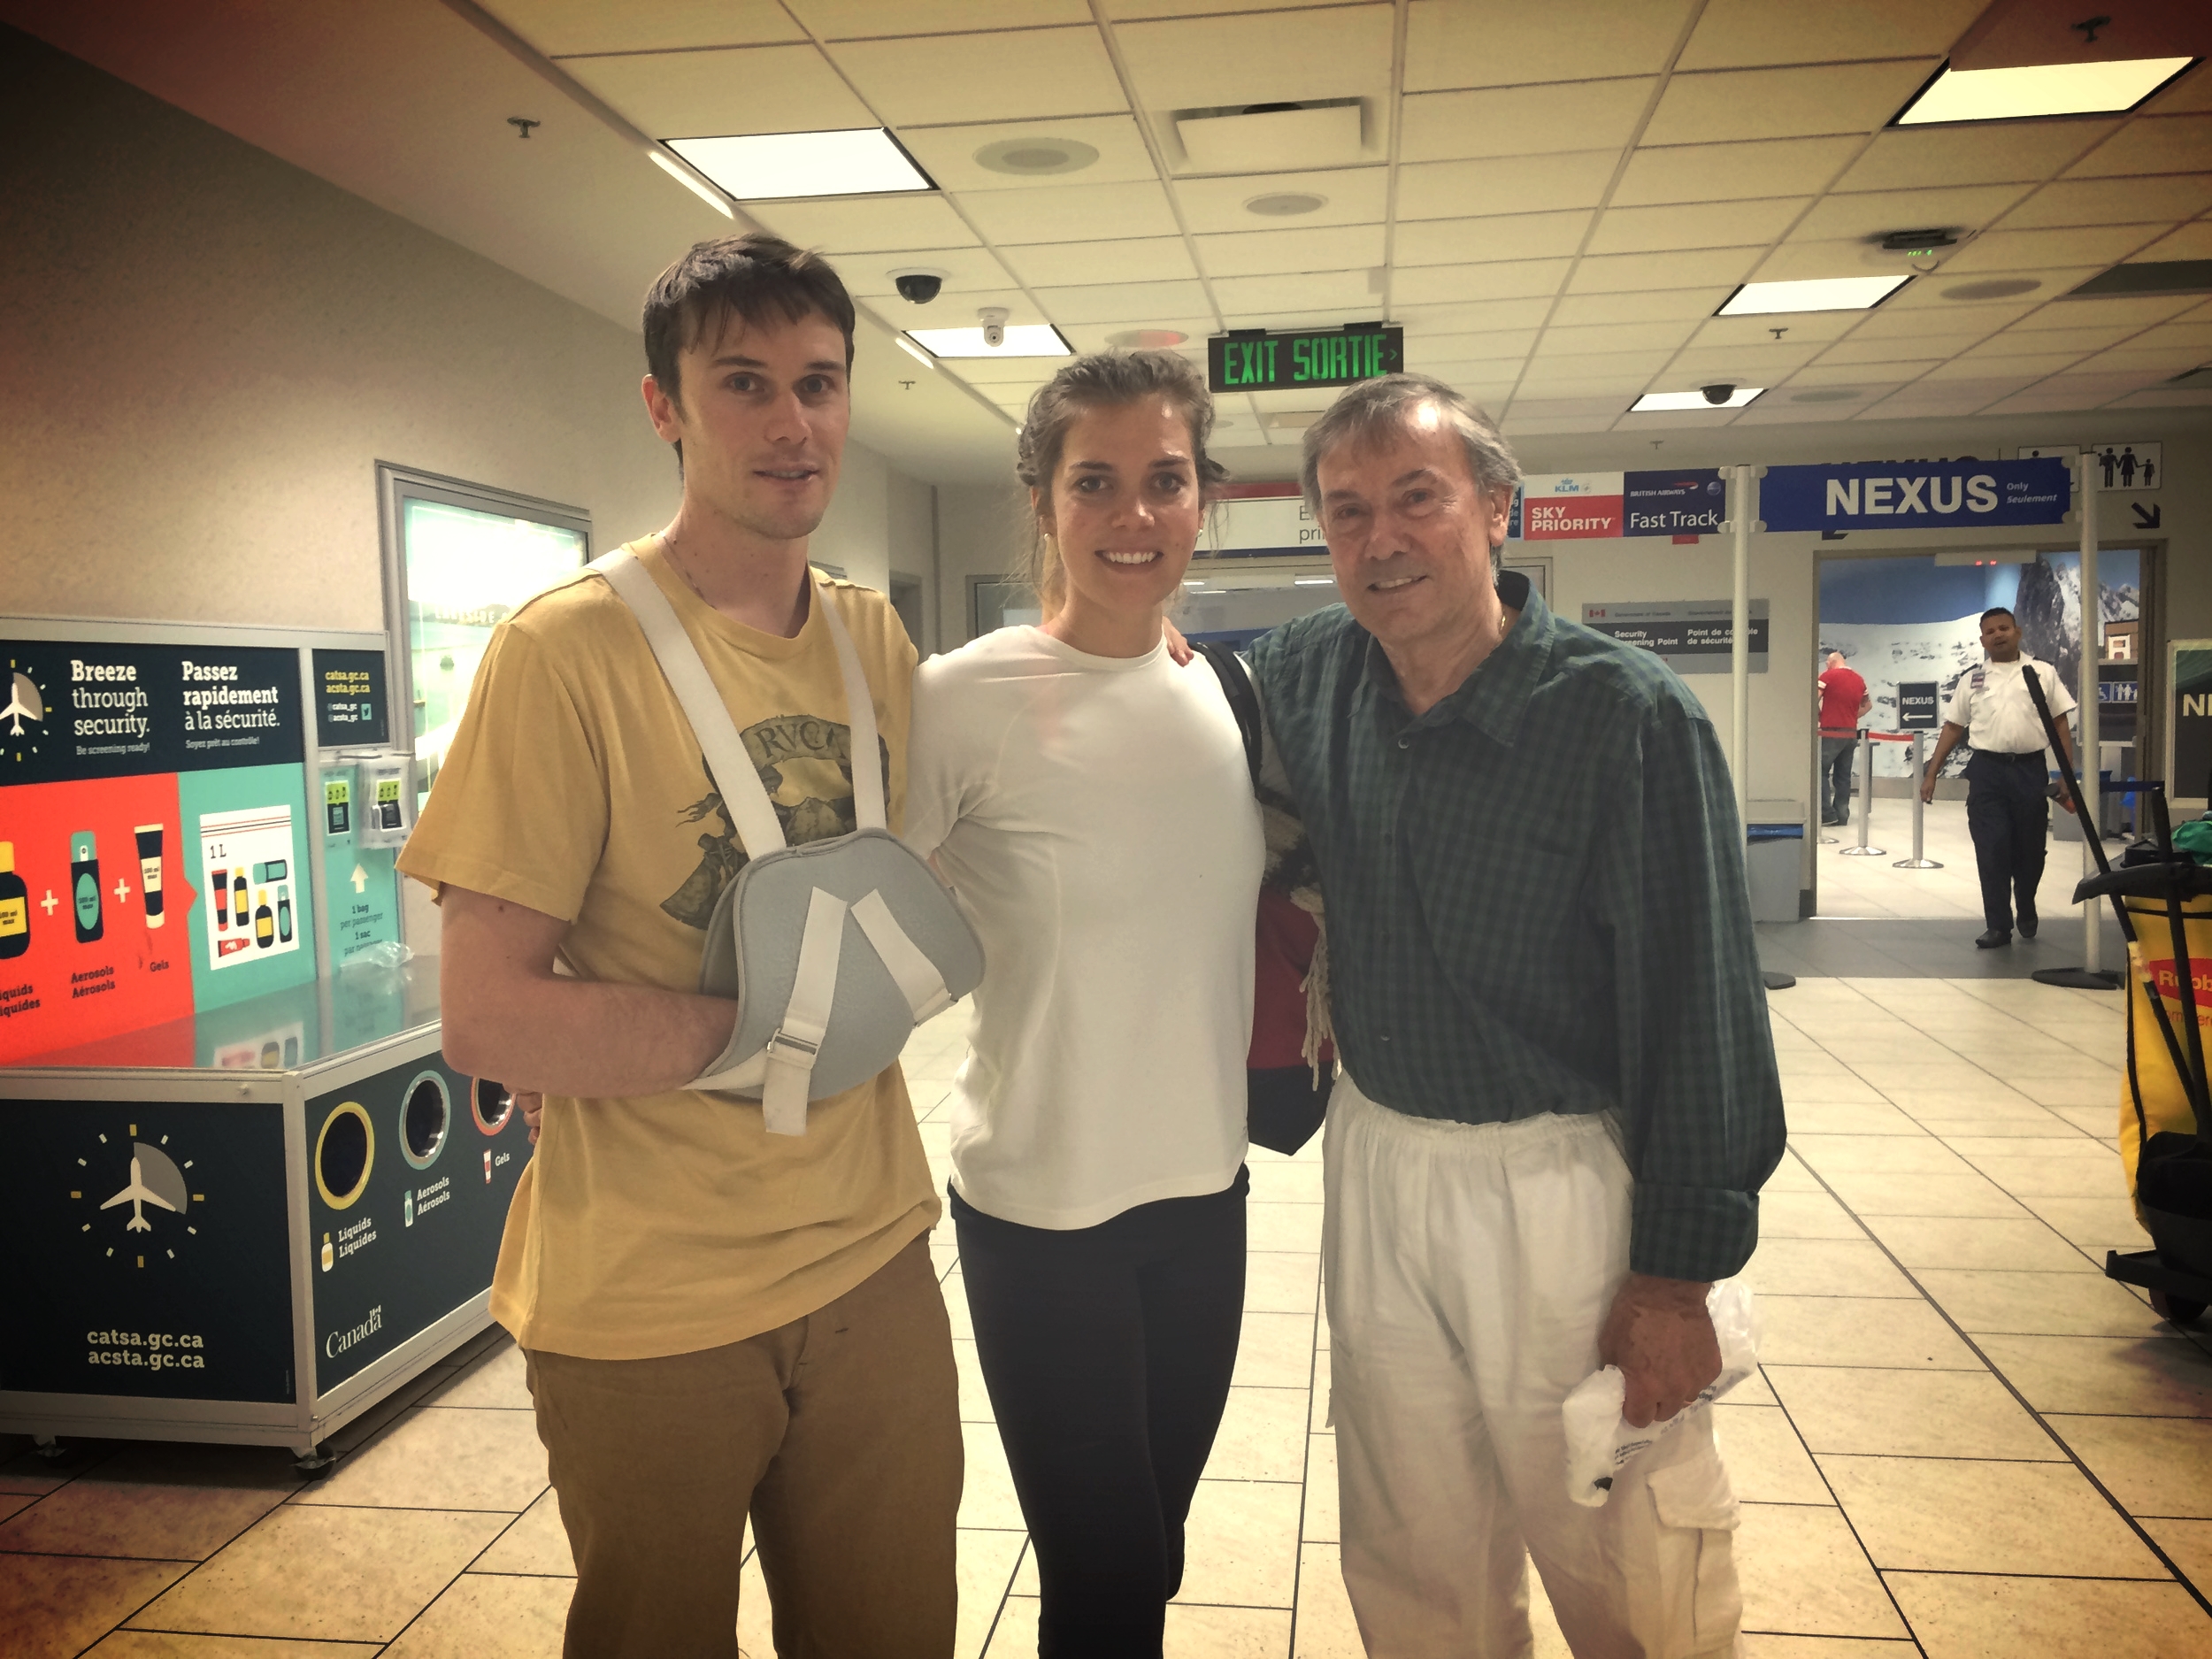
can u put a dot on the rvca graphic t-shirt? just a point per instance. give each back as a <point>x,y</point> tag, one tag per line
<point>667,1223</point>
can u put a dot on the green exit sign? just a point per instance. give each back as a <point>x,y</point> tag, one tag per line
<point>1287,363</point>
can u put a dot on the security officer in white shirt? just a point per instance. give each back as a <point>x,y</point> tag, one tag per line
<point>2007,799</point>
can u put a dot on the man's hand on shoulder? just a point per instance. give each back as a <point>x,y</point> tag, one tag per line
<point>1660,1334</point>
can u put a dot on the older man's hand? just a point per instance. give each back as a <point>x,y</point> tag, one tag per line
<point>1660,1336</point>
<point>533,1104</point>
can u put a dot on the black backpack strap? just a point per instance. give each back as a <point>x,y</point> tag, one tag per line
<point>1244,702</point>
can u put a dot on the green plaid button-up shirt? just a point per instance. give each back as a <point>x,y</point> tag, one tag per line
<point>1536,904</point>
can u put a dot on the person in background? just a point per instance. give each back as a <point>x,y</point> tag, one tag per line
<point>1090,800</point>
<point>2008,780</point>
<point>1558,1099</point>
<point>718,1323</point>
<point>1844,703</point>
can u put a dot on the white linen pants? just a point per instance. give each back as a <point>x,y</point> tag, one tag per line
<point>1469,1269</point>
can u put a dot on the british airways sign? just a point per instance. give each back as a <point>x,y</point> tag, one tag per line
<point>1915,495</point>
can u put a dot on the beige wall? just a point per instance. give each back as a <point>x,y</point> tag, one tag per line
<point>205,351</point>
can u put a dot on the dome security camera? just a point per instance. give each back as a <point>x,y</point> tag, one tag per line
<point>1719,393</point>
<point>919,287</point>
<point>993,320</point>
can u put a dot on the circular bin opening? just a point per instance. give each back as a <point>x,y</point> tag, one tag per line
<point>425,1115</point>
<point>490,1105</point>
<point>344,1152</point>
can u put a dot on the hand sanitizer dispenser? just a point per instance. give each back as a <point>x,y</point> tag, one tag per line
<point>384,811</point>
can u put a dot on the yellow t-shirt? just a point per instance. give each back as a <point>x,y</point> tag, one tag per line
<point>665,1224</point>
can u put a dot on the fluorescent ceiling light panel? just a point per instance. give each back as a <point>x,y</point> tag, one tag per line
<point>766,166</point>
<point>1822,294</point>
<point>1023,339</point>
<point>2040,89</point>
<point>1652,400</point>
<point>692,182</point>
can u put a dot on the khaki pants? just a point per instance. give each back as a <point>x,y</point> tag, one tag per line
<point>1469,1270</point>
<point>839,1433</point>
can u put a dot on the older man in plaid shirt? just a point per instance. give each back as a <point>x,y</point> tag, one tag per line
<point>1559,1097</point>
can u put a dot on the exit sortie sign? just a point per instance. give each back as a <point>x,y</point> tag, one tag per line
<point>1257,362</point>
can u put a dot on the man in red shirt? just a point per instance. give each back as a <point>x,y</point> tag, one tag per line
<point>1843,702</point>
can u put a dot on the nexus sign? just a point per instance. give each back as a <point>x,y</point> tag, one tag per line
<point>1916,495</point>
<point>1253,360</point>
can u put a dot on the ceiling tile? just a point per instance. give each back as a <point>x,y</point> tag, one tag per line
<point>2113,202</point>
<point>1470,348</point>
<point>862,224</point>
<point>1797,261</point>
<point>1450,43</point>
<point>2140,313</point>
<point>1214,63</point>
<point>2192,91</point>
<point>1640,336</point>
<point>1742,34</point>
<point>1746,103</point>
<point>2190,241</point>
<point>1924,400</point>
<point>1947,288</point>
<point>1674,419</point>
<point>2162,399</point>
<point>560,28</point>
<point>2151,143</point>
<point>1780,410</point>
<point>2000,152</point>
<point>1508,280</point>
<point>1961,323</point>
<point>2164,359</point>
<point>1799,328</point>
<point>1529,409</point>
<point>1018,75</point>
<point>1726,172</point>
<point>1097,336</point>
<point>1125,259</point>
<point>1077,212</point>
<point>948,152</point>
<point>1267,252</point>
<point>847,19</point>
<point>1870,372</point>
<point>1638,305</point>
<point>2192,336</point>
<point>1245,296</point>
<point>1754,365</point>
<point>1520,120</point>
<point>1695,225</point>
<point>1000,375</point>
<point>1617,273</point>
<point>1451,189</point>
<point>1365,309</point>
<point>1544,426</point>
<point>966,270</point>
<point>2022,342</point>
<point>1877,212</point>
<point>1128,9</point>
<point>1350,196</point>
<point>1092,303</point>
<point>1495,379</point>
<point>1976,367</point>
<point>1855,359</point>
<point>1475,241</point>
<point>715,94</point>
<point>1471,317</point>
<point>1569,377</point>
<point>2039,249</point>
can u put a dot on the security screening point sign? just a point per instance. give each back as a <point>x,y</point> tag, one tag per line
<point>1964,495</point>
<point>1691,636</point>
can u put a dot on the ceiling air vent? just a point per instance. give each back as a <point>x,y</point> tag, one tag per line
<point>1271,137</point>
<point>2151,276</point>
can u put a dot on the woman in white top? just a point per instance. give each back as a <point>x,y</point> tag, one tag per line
<point>1090,803</point>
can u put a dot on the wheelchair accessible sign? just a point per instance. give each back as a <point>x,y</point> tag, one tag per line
<point>1916,495</point>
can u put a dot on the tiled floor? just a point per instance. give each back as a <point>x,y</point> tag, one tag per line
<point>1966,1442</point>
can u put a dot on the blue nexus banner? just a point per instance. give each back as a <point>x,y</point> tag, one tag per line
<point>1916,495</point>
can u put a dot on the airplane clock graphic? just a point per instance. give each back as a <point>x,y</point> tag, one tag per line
<point>156,1178</point>
<point>25,702</point>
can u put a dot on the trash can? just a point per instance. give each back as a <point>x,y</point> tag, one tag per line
<point>1773,855</point>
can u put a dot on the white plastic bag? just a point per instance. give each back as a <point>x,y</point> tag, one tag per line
<point>1599,1440</point>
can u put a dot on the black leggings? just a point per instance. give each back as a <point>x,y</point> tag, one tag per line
<point>1108,1352</point>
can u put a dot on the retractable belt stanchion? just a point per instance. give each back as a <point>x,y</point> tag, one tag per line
<point>1919,861</point>
<point>1866,801</point>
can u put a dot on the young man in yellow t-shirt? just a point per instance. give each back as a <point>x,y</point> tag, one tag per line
<point>717,1321</point>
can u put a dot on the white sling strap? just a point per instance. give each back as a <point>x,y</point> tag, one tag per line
<point>918,980</point>
<point>735,776</point>
<point>789,1057</point>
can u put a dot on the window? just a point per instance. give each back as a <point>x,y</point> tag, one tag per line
<point>459,558</point>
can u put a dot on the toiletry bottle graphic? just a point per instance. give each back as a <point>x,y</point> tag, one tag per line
<point>15,906</point>
<point>284,915</point>
<point>407,1206</point>
<point>222,903</point>
<point>329,1254</point>
<point>264,920</point>
<point>150,872</point>
<point>238,913</point>
<point>84,883</point>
